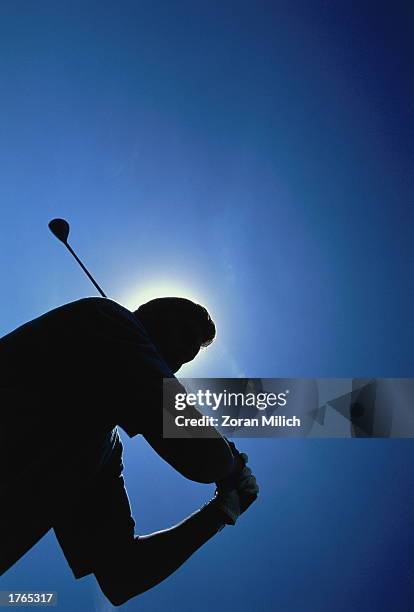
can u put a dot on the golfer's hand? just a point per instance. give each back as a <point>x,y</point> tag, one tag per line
<point>240,460</point>
<point>248,489</point>
<point>235,494</point>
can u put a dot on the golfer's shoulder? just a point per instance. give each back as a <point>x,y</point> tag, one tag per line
<point>102,315</point>
<point>80,316</point>
<point>91,303</point>
<point>96,306</point>
<point>106,308</point>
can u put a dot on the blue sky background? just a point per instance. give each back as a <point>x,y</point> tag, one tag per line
<point>258,157</point>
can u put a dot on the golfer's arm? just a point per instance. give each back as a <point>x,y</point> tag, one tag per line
<point>203,459</point>
<point>152,558</point>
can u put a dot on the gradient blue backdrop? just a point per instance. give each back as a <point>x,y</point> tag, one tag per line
<point>257,156</point>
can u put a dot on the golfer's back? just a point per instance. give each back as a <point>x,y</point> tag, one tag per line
<point>67,379</point>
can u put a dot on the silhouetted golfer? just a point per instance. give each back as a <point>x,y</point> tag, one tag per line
<point>68,378</point>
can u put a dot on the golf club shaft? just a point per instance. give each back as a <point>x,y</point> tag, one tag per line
<point>85,270</point>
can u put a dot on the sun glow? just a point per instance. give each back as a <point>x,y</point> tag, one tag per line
<point>162,288</point>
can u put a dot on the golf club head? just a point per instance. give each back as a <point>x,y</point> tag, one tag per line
<point>60,228</point>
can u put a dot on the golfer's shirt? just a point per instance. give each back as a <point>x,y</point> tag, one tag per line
<point>67,379</point>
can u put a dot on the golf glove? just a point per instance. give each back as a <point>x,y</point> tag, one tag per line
<point>238,491</point>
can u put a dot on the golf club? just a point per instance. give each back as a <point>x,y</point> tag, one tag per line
<point>60,228</point>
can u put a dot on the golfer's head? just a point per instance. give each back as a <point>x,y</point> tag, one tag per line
<point>178,327</point>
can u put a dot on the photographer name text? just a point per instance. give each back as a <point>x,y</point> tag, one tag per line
<point>228,421</point>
